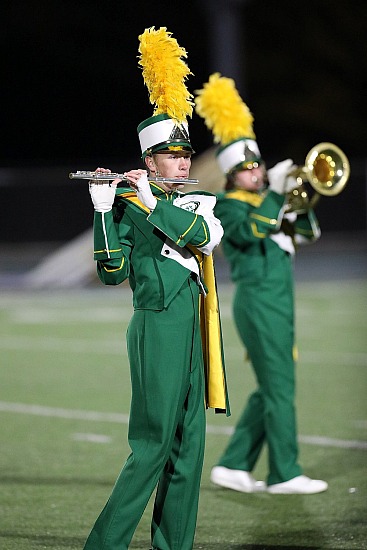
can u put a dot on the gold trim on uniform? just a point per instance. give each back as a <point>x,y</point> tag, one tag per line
<point>270,221</point>
<point>187,230</point>
<point>257,233</point>
<point>109,250</point>
<point>245,196</point>
<point>206,235</point>
<point>115,269</point>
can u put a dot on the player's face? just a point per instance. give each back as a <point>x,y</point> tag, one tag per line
<point>250,180</point>
<point>173,165</point>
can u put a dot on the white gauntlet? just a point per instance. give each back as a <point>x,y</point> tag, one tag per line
<point>277,176</point>
<point>290,184</point>
<point>102,196</point>
<point>144,192</point>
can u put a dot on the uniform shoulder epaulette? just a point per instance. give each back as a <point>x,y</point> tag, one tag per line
<point>244,196</point>
<point>126,194</point>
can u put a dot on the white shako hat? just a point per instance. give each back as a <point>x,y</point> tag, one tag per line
<point>162,133</point>
<point>164,73</point>
<point>238,155</point>
<point>230,120</point>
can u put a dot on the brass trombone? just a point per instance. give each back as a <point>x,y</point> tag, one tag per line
<point>326,169</point>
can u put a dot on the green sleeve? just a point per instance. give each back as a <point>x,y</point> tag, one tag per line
<point>181,226</point>
<point>112,247</point>
<point>243,223</point>
<point>268,216</point>
<point>307,225</point>
<point>106,240</point>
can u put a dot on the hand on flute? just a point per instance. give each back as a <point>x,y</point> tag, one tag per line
<point>138,180</point>
<point>103,196</point>
<point>101,171</point>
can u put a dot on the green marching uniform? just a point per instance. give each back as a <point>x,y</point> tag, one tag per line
<point>166,356</point>
<point>259,248</point>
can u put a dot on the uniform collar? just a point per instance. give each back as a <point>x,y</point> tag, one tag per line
<point>161,193</point>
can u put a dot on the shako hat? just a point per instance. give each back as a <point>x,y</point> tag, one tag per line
<point>164,73</point>
<point>230,121</point>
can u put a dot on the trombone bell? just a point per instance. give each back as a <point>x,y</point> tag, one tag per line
<point>326,169</point>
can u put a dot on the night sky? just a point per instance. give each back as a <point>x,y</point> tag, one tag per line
<point>72,88</point>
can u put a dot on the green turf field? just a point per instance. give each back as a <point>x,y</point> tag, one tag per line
<point>64,398</point>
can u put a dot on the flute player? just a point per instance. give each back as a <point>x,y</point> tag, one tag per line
<point>162,241</point>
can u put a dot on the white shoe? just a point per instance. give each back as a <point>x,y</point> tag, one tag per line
<point>238,480</point>
<point>300,485</point>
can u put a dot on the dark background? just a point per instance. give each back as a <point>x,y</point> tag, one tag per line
<point>73,94</point>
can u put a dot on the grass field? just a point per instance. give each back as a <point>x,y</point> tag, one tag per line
<point>64,398</point>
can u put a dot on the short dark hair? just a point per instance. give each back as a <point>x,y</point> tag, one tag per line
<point>230,181</point>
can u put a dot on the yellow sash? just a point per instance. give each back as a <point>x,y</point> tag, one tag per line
<point>216,396</point>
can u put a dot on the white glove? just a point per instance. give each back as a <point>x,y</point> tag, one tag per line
<point>277,176</point>
<point>102,196</point>
<point>144,192</point>
<point>290,184</point>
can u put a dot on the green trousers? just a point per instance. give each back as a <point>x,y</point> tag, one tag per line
<point>166,430</point>
<point>264,317</point>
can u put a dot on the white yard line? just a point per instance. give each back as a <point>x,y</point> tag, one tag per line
<point>63,345</point>
<point>115,346</point>
<point>95,416</point>
<point>55,412</point>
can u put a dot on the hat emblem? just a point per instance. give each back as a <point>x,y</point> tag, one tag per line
<point>179,133</point>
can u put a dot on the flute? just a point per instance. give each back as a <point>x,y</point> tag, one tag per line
<point>97,177</point>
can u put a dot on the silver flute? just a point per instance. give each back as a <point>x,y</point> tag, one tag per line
<point>97,177</point>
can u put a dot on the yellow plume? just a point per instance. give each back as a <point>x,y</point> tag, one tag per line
<point>223,110</point>
<point>164,74</point>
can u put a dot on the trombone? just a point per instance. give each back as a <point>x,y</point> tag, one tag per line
<point>97,177</point>
<point>326,169</point>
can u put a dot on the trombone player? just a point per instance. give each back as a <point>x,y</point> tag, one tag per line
<point>260,237</point>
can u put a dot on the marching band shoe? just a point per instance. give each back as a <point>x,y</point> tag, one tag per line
<point>300,485</point>
<point>238,480</point>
